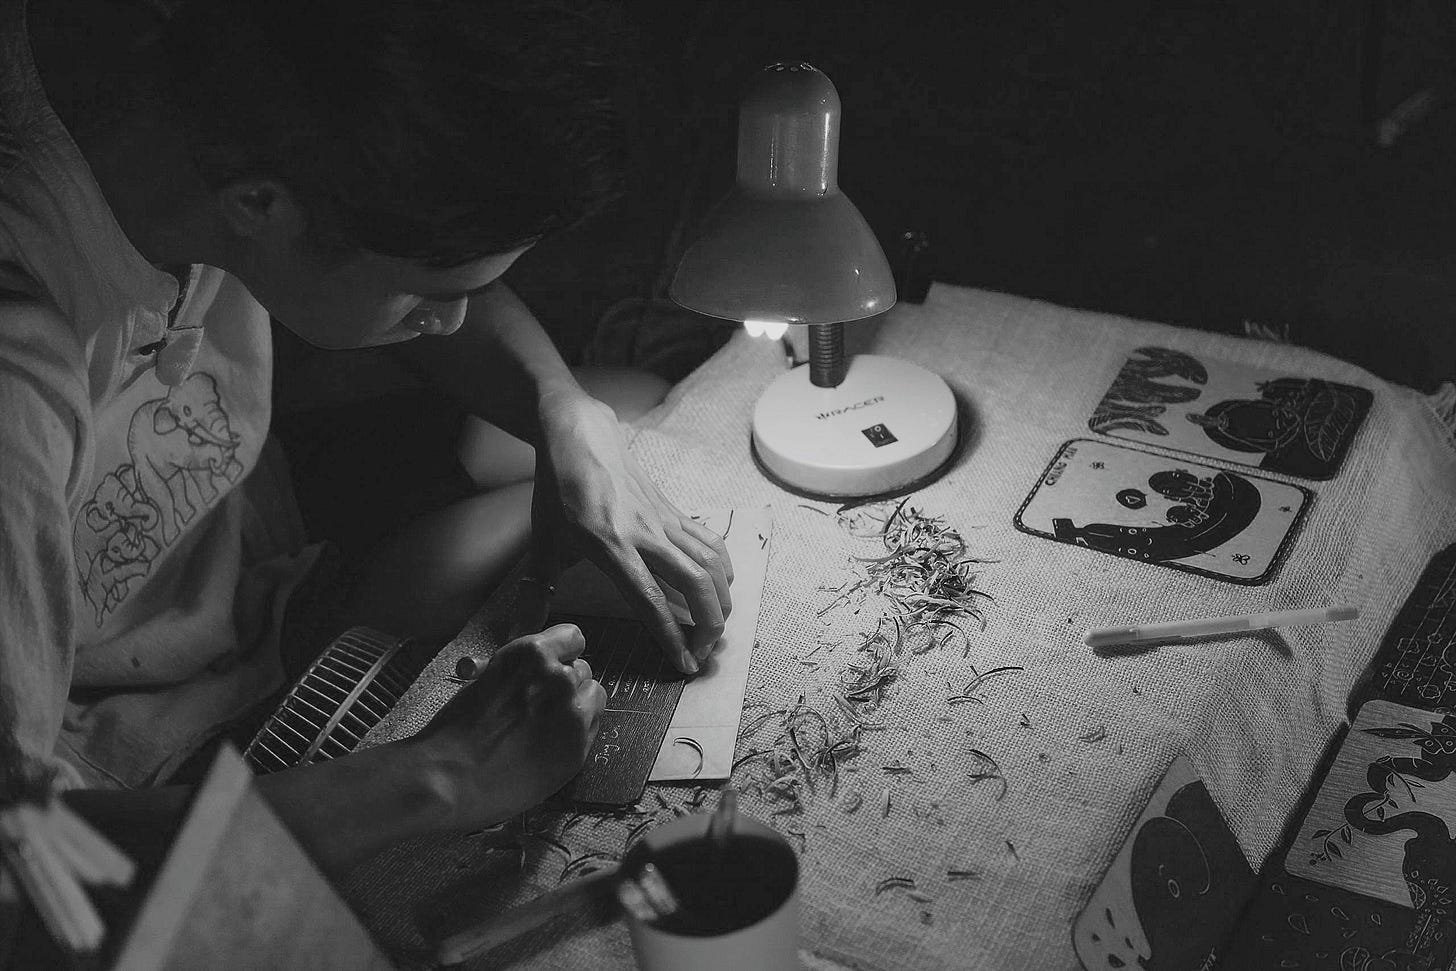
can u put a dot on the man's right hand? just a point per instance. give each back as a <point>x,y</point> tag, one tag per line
<point>520,731</point>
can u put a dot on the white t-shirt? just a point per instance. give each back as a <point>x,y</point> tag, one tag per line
<point>147,539</point>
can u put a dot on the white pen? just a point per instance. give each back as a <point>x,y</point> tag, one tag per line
<point>1183,629</point>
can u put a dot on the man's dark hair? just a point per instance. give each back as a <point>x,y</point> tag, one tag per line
<point>437,130</point>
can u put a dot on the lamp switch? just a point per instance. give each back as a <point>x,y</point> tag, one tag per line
<point>879,435</point>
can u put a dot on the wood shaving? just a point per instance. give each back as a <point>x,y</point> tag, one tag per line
<point>636,833</point>
<point>894,883</point>
<point>806,748</point>
<point>867,681</point>
<point>968,693</point>
<point>990,770</point>
<point>586,863</point>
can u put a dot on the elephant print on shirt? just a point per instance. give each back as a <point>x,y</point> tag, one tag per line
<point>182,444</point>
<point>112,540</point>
<point>183,454</point>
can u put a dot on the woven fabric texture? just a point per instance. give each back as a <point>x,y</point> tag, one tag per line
<point>1081,739</point>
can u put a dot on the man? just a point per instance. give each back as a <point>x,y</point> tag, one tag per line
<point>365,171</point>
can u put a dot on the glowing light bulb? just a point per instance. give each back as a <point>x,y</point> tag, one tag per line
<point>767,329</point>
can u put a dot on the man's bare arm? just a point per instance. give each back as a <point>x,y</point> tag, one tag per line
<point>504,743</point>
<point>501,365</point>
<point>590,492</point>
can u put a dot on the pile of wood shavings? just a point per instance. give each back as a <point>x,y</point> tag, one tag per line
<point>928,578</point>
<point>803,749</point>
<point>926,574</point>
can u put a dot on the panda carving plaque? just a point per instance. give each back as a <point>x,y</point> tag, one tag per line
<point>1164,510</point>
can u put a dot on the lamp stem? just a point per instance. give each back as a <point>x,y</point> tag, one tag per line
<point>827,365</point>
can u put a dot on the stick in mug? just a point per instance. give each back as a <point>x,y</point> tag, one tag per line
<point>634,901</point>
<point>1185,629</point>
<point>659,894</point>
<point>721,824</point>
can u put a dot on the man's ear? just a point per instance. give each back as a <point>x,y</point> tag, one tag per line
<point>261,209</point>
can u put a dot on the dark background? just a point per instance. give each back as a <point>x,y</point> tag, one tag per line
<point>1200,164</point>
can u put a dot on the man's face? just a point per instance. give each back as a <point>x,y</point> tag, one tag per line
<point>369,299</point>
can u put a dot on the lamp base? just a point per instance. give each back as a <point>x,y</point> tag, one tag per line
<point>888,426</point>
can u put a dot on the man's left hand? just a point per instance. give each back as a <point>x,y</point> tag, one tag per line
<point>593,497</point>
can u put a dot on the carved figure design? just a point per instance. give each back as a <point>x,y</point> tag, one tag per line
<point>1210,512</point>
<point>1139,396</point>
<point>1391,804</point>
<point>112,540</point>
<point>181,445</point>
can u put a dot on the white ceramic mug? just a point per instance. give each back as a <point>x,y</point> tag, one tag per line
<point>771,943</point>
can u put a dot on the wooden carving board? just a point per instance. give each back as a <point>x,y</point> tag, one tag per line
<point>1393,780</point>
<point>699,743</point>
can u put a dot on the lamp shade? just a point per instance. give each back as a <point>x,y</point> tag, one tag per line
<point>785,244</point>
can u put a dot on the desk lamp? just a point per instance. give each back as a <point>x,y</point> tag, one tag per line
<point>785,246</point>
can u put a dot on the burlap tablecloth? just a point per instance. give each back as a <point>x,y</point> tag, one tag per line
<point>1252,712</point>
